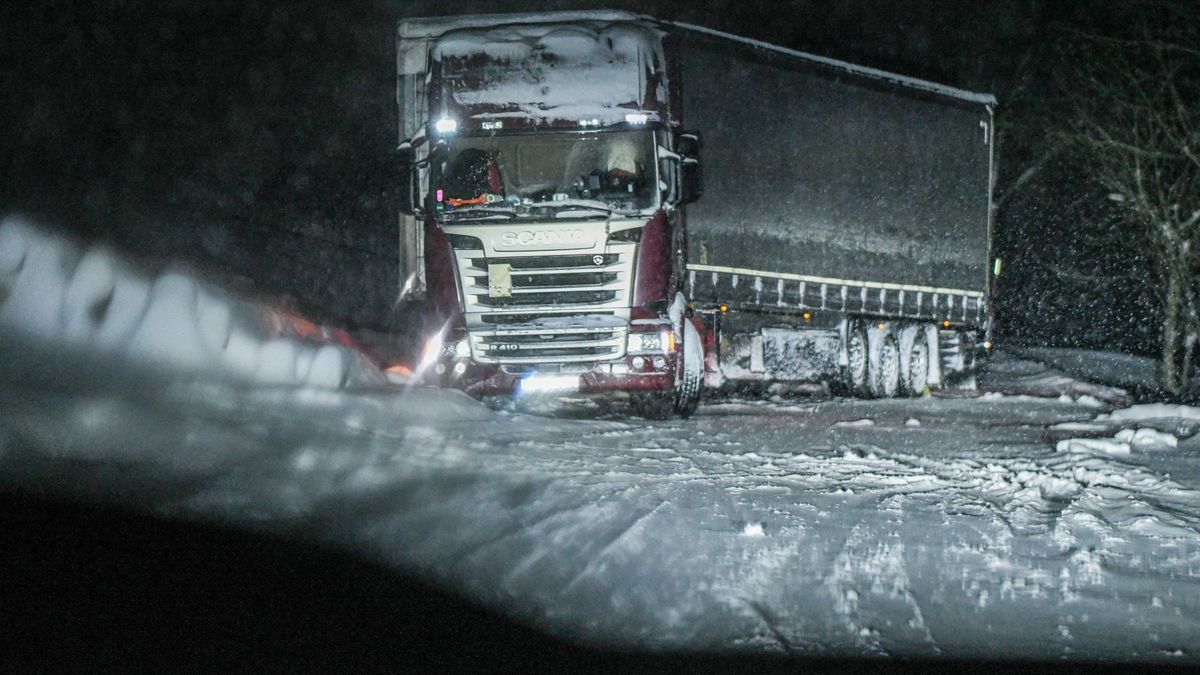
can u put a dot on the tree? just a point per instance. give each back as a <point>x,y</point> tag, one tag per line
<point>1135,88</point>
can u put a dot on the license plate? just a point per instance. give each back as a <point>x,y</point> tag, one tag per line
<point>548,384</point>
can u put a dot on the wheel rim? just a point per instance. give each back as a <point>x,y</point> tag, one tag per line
<point>918,367</point>
<point>889,368</point>
<point>856,353</point>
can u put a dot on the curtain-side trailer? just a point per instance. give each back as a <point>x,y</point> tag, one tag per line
<point>844,235</point>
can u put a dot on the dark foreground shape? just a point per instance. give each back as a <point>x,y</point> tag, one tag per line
<point>99,588</point>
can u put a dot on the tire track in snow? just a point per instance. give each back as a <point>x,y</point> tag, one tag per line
<point>593,565</point>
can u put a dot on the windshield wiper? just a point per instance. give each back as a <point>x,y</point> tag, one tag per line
<point>565,205</point>
<point>479,212</point>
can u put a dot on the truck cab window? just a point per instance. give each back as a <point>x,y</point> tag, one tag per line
<point>614,168</point>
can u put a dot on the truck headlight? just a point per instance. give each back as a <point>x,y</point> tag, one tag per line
<point>462,350</point>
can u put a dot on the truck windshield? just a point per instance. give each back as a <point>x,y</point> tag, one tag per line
<point>586,174</point>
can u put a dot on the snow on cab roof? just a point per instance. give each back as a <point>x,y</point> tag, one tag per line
<point>434,26</point>
<point>428,27</point>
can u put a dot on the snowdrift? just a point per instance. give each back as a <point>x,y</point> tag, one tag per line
<point>53,291</point>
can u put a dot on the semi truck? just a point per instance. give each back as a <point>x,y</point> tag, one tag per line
<point>562,232</point>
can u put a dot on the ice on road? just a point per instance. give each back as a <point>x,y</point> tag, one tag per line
<point>1034,521</point>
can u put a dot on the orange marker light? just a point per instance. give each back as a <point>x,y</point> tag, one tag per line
<point>724,308</point>
<point>807,316</point>
<point>946,323</point>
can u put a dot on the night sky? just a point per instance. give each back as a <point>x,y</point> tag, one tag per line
<point>255,140</point>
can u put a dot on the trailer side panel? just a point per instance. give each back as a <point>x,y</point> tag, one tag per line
<point>815,171</point>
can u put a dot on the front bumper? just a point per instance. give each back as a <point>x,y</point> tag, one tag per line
<point>598,378</point>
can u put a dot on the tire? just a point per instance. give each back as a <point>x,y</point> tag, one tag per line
<point>854,374</point>
<point>687,394</point>
<point>916,375</point>
<point>884,369</point>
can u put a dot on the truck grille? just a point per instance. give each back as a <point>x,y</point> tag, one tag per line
<point>551,346</point>
<point>546,281</point>
<point>561,308</point>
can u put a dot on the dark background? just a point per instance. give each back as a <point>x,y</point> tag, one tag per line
<point>255,140</point>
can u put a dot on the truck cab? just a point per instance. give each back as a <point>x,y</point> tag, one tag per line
<point>545,170</point>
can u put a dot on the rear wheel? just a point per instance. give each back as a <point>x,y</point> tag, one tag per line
<point>884,369</point>
<point>916,376</point>
<point>854,374</point>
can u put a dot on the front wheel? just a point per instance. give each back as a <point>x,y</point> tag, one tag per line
<point>687,394</point>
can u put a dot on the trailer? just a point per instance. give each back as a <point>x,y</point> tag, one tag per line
<point>844,235</point>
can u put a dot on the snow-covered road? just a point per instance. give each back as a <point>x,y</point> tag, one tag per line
<point>957,526</point>
<point>1030,520</point>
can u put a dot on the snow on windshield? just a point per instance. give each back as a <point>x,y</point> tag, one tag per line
<point>553,72</point>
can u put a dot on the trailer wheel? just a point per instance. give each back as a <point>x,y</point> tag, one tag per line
<point>884,369</point>
<point>916,375</point>
<point>854,374</point>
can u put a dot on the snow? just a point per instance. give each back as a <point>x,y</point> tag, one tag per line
<point>1096,445</point>
<point>1110,368</point>
<point>426,27</point>
<point>753,530</point>
<point>785,527</point>
<point>50,289</point>
<point>1147,439</point>
<point>1153,411</point>
<point>1010,374</point>
<point>561,321</point>
<point>551,71</point>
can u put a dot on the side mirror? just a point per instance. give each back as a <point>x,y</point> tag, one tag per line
<point>688,145</point>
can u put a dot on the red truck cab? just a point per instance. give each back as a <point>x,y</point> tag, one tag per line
<point>545,174</point>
